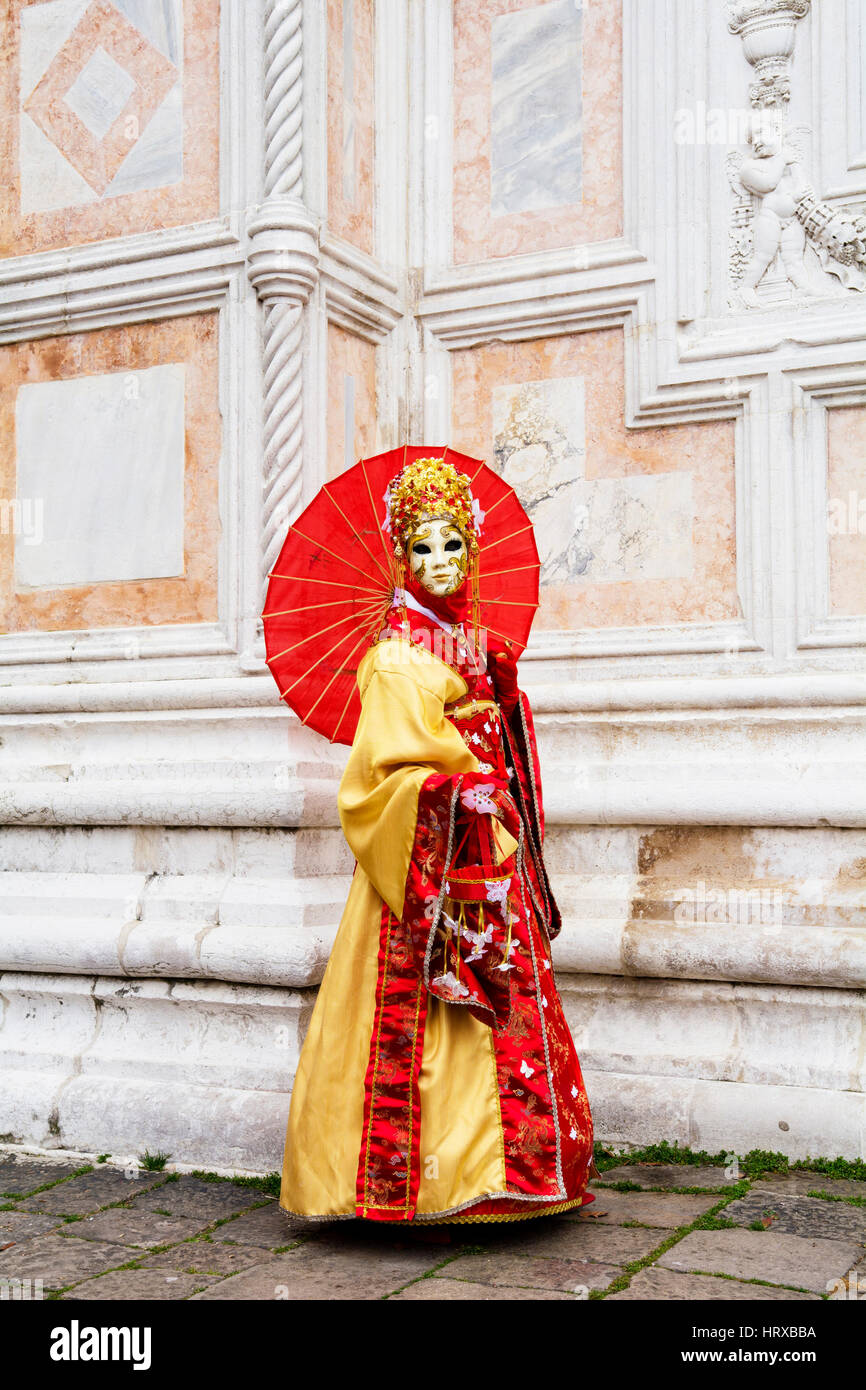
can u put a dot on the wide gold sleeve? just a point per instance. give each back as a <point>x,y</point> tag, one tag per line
<point>403,736</point>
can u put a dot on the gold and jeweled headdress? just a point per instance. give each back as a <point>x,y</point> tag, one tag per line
<point>425,490</point>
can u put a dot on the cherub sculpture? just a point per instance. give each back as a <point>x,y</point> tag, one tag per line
<point>772,173</point>
<point>789,217</point>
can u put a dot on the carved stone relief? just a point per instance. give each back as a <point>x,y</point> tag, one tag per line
<point>785,243</point>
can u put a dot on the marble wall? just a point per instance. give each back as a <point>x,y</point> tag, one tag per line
<point>352,406</point>
<point>110,118</point>
<point>537,127</point>
<point>170,858</point>
<point>109,466</point>
<point>350,121</point>
<point>633,526</point>
<point>846,509</point>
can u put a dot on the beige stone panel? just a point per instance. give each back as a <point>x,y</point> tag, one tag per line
<point>191,598</point>
<point>350,122</point>
<point>194,198</point>
<point>846,509</point>
<point>477,234</point>
<point>351,399</point>
<point>703,452</point>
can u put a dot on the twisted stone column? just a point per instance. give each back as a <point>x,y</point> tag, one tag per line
<point>284,432</point>
<point>284,86</point>
<point>283,258</point>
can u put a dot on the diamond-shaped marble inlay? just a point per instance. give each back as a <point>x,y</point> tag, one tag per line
<point>100,92</point>
<point>78,102</point>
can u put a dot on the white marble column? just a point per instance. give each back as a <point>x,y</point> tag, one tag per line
<point>283,259</point>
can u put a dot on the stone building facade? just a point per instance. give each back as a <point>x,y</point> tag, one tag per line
<point>615,247</point>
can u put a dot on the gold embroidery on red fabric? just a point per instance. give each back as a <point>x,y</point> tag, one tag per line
<point>374,1082</point>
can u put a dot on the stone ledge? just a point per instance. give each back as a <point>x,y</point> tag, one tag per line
<point>203,1069</point>
<point>761,1036</point>
<point>273,928</point>
<point>639,1108</point>
<point>649,693</point>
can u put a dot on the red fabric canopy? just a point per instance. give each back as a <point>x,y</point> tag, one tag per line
<point>334,581</point>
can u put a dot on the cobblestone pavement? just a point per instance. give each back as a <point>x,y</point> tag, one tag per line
<point>103,1235</point>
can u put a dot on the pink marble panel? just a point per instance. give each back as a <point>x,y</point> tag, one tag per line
<point>699,584</point>
<point>478,234</point>
<point>352,426</point>
<point>188,598</point>
<point>846,509</point>
<point>350,121</point>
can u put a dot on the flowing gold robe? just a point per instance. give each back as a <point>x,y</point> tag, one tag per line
<point>402,736</point>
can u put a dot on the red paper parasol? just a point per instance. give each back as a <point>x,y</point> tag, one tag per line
<point>334,580</point>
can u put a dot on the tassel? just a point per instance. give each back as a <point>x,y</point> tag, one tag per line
<point>461,923</point>
<point>475,582</point>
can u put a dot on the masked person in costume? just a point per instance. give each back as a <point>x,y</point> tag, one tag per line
<point>438,1080</point>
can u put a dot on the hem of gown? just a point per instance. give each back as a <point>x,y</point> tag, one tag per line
<point>582,1201</point>
<point>444,1219</point>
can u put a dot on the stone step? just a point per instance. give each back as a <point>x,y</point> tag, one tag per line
<point>643,903</point>
<point>96,1064</point>
<point>716,900</point>
<point>285,956</point>
<point>161,925</point>
<point>171,801</point>
<point>196,850</point>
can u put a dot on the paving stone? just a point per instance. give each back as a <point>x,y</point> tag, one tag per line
<point>531,1272</point>
<point>656,1283</point>
<point>665,1209</point>
<point>325,1270</point>
<point>195,1198</point>
<point>770,1255</point>
<point>800,1181</point>
<point>130,1227</point>
<point>139,1285</point>
<point>20,1175</point>
<point>16,1226</point>
<point>61,1260</point>
<point>800,1216</point>
<point>575,1240</point>
<point>207,1257</point>
<point>852,1285</point>
<point>666,1175</point>
<point>269,1227</point>
<point>454,1291</point>
<point>87,1194</point>
<point>373,1235</point>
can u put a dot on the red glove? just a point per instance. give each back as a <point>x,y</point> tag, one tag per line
<point>502,669</point>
